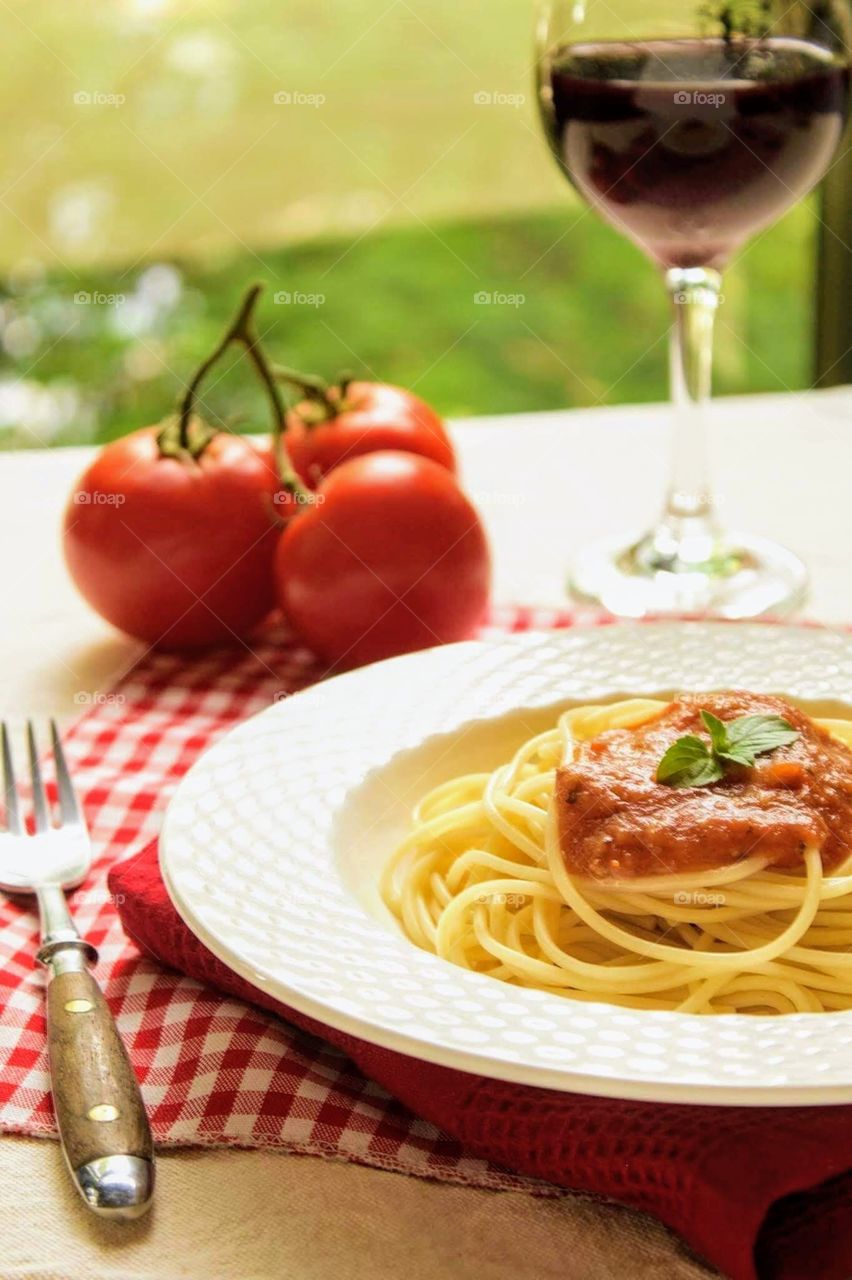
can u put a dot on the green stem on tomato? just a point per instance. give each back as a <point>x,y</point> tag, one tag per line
<point>246,334</point>
<point>312,387</point>
<point>241,330</point>
<point>237,326</point>
<point>344,381</point>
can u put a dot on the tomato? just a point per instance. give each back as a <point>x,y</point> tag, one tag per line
<point>391,557</point>
<point>177,553</point>
<point>339,423</point>
<point>170,534</point>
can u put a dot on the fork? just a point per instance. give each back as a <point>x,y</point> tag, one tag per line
<point>102,1123</point>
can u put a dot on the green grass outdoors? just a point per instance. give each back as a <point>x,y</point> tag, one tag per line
<point>152,174</point>
<point>591,328</point>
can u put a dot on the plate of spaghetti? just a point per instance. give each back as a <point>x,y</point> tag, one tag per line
<point>615,860</point>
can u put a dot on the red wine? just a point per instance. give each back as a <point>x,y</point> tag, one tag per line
<point>689,146</point>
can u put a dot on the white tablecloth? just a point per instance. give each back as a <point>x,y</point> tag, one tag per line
<point>545,484</point>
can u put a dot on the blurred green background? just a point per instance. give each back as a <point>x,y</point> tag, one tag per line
<point>378,164</point>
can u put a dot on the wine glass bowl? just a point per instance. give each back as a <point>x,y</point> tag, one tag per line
<point>689,128</point>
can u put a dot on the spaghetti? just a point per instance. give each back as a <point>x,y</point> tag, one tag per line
<point>481,880</point>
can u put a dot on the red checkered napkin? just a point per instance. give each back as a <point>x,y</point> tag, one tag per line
<point>214,1071</point>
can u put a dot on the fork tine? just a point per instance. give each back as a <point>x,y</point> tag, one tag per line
<point>13,812</point>
<point>69,808</point>
<point>40,811</point>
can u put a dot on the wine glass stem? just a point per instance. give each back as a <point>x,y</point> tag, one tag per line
<point>686,540</point>
<point>694,293</point>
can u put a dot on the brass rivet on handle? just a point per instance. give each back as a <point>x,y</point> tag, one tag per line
<point>78,1006</point>
<point>103,1111</point>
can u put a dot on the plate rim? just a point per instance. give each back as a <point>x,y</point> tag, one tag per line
<point>469,1059</point>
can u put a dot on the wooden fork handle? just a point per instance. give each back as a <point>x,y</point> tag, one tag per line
<point>102,1122</point>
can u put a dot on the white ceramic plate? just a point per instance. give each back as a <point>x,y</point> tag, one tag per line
<point>273,845</point>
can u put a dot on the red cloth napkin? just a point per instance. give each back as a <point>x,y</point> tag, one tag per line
<point>757,1191</point>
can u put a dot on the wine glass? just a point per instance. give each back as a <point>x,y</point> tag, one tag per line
<point>689,126</point>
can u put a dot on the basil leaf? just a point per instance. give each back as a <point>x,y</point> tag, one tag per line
<point>735,756</point>
<point>689,763</point>
<point>717,729</point>
<point>751,736</point>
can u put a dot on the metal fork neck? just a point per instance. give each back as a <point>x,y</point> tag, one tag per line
<point>58,933</point>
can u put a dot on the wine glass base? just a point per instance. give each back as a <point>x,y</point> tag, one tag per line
<point>748,577</point>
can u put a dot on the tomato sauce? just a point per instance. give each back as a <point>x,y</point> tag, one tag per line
<point>615,821</point>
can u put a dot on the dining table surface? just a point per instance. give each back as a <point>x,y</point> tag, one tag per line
<point>545,483</point>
